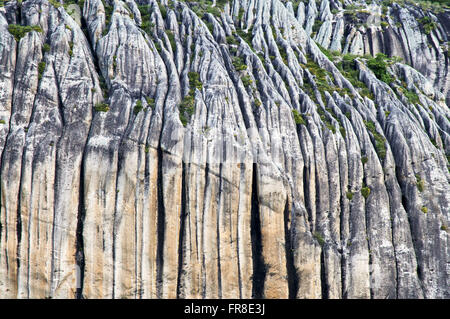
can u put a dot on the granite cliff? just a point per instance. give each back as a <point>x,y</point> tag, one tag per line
<point>224,149</point>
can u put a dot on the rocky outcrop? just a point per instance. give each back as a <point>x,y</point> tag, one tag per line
<point>239,149</point>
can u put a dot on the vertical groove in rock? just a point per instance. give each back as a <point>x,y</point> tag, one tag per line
<point>259,268</point>
<point>367,230</point>
<point>79,236</point>
<point>203,235</point>
<point>218,232</point>
<point>182,230</point>
<point>291,273</point>
<point>323,276</point>
<point>160,226</point>
<point>395,257</point>
<point>414,240</point>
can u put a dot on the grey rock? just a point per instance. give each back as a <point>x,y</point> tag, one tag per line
<point>155,150</point>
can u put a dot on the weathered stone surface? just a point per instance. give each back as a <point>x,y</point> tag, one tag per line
<point>156,149</point>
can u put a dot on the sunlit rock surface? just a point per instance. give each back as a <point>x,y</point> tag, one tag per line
<point>224,149</point>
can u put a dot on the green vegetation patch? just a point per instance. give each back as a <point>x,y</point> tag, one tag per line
<point>247,36</point>
<point>380,145</point>
<point>315,69</point>
<point>321,81</point>
<point>319,238</point>
<point>326,120</point>
<point>435,6</point>
<point>232,40</point>
<point>109,10</point>
<point>172,41</point>
<point>67,3</point>
<point>187,109</point>
<point>420,183</point>
<point>41,69</point>
<point>55,3</point>
<point>103,85</point>
<point>341,127</point>
<point>200,7</point>
<point>349,195</point>
<point>240,13</point>
<point>46,47</point>
<point>246,80</point>
<point>213,10</point>
<point>70,48</point>
<point>316,27</point>
<point>412,97</point>
<point>210,27</point>
<point>283,54</point>
<point>428,24</point>
<point>138,107</point>
<point>187,105</point>
<point>151,102</point>
<point>298,118</point>
<point>19,31</point>
<point>365,191</point>
<point>348,69</point>
<point>146,25</point>
<point>379,65</point>
<point>331,55</point>
<point>194,80</point>
<point>101,107</point>
<point>163,10</point>
<point>239,64</point>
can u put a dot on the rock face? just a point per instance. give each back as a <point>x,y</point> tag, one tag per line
<point>233,149</point>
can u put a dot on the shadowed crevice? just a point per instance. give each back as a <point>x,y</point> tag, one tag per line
<point>259,269</point>
<point>79,255</point>
<point>160,227</point>
<point>291,272</point>
<point>323,276</point>
<point>182,230</point>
